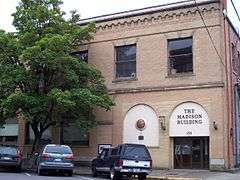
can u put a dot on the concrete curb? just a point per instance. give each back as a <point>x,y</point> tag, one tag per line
<point>148,177</point>
<point>82,173</point>
<point>171,178</point>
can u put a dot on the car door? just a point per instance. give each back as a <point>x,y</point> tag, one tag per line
<point>107,160</point>
<point>101,164</point>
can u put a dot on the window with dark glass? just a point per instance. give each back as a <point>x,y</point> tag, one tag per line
<point>238,59</point>
<point>9,131</point>
<point>71,134</point>
<point>11,139</point>
<point>233,56</point>
<point>126,61</point>
<point>83,55</point>
<point>104,153</point>
<point>180,55</point>
<point>114,152</point>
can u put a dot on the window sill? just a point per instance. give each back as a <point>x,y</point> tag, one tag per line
<point>179,75</point>
<point>124,80</point>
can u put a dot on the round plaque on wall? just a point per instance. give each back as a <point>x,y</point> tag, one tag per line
<point>140,124</point>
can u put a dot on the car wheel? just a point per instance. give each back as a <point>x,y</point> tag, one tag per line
<point>114,175</point>
<point>142,177</point>
<point>94,171</point>
<point>18,169</point>
<point>129,176</point>
<point>70,173</point>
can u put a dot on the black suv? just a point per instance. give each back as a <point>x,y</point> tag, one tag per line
<point>125,159</point>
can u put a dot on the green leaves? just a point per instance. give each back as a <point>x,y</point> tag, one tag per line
<point>28,104</point>
<point>37,15</point>
<point>39,77</point>
<point>78,98</point>
<point>61,98</point>
<point>9,48</point>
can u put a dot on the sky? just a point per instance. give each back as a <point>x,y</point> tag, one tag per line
<point>232,13</point>
<point>92,8</point>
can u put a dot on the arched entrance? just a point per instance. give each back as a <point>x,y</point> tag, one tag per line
<point>141,126</point>
<point>189,128</point>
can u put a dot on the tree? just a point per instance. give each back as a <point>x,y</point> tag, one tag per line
<point>39,78</point>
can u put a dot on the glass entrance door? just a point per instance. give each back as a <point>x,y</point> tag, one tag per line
<point>191,153</point>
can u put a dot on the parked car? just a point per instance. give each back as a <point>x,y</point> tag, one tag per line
<point>10,157</point>
<point>55,158</point>
<point>125,159</point>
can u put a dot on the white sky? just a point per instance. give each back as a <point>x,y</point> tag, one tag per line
<point>232,13</point>
<point>91,8</point>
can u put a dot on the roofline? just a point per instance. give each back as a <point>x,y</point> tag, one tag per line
<point>147,10</point>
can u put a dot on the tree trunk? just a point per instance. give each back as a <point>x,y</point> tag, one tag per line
<point>36,142</point>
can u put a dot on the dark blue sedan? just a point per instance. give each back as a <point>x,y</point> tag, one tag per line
<point>10,157</point>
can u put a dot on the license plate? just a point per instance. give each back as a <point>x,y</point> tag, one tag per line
<point>6,158</point>
<point>136,170</point>
<point>136,164</point>
<point>58,160</point>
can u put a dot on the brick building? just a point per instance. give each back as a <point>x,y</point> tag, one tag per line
<point>173,72</point>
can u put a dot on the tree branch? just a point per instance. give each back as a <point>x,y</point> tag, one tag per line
<point>50,79</point>
<point>47,126</point>
<point>34,126</point>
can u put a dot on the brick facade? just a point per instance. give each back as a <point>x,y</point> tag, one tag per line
<point>208,85</point>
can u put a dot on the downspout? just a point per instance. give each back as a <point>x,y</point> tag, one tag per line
<point>230,90</point>
<point>224,6</point>
<point>230,129</point>
<point>233,104</point>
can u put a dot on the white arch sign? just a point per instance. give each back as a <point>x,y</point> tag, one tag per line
<point>189,119</point>
<point>149,135</point>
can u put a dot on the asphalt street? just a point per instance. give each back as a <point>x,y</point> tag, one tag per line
<point>4,175</point>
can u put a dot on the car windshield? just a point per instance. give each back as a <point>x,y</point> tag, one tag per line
<point>58,150</point>
<point>8,150</point>
<point>136,152</point>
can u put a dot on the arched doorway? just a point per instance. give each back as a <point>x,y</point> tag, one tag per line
<point>189,128</point>
<point>141,126</point>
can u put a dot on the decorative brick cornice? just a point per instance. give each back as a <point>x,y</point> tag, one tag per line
<point>156,18</point>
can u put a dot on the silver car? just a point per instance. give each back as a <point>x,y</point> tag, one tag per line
<point>55,158</point>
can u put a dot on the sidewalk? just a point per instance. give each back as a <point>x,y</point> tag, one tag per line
<point>177,174</point>
<point>174,174</point>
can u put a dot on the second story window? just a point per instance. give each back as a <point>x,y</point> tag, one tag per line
<point>180,56</point>
<point>126,61</point>
<point>238,59</point>
<point>83,55</point>
<point>234,57</point>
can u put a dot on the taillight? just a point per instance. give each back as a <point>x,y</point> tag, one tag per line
<point>19,154</point>
<point>151,164</point>
<point>45,156</point>
<point>70,158</point>
<point>119,162</point>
